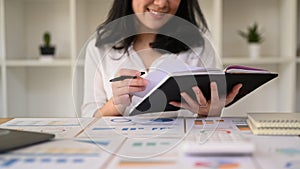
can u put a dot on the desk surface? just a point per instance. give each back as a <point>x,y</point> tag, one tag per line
<point>117,142</point>
<point>3,120</point>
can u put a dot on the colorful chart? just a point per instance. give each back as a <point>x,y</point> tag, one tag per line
<point>11,162</point>
<point>222,164</point>
<point>289,151</point>
<point>150,148</point>
<point>162,120</point>
<point>207,122</point>
<point>120,120</point>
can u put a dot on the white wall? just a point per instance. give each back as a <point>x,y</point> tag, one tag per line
<point>237,15</point>
<point>37,20</point>
<point>298,30</point>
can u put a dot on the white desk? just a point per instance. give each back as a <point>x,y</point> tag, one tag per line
<point>116,142</point>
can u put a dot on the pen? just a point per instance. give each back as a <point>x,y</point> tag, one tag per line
<point>120,78</point>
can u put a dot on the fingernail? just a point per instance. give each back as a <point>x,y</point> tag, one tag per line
<point>213,84</point>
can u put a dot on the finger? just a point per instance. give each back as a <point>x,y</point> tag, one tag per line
<point>188,99</point>
<point>200,97</point>
<point>216,104</point>
<point>214,94</point>
<point>129,86</point>
<point>235,90</point>
<point>128,72</point>
<point>190,104</point>
<point>127,90</point>
<point>198,110</point>
<point>179,104</point>
<point>125,87</point>
<point>138,82</point>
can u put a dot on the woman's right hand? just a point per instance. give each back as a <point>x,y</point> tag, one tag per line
<point>122,90</point>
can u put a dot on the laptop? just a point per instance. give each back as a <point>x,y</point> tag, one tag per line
<point>13,139</point>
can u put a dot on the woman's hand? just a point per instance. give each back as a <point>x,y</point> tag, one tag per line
<point>122,90</point>
<point>201,106</point>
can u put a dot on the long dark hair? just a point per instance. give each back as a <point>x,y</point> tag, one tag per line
<point>169,38</point>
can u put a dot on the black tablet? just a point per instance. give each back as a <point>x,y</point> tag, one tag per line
<point>14,139</point>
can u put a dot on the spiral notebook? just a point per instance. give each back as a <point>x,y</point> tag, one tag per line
<point>274,123</point>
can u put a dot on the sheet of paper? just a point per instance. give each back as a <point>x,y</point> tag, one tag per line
<point>142,142</point>
<point>61,127</point>
<point>242,125</point>
<point>38,122</point>
<point>194,162</point>
<point>61,154</point>
<point>211,124</point>
<point>162,70</point>
<point>135,127</point>
<point>244,69</point>
<point>165,154</point>
<point>190,163</point>
<point>278,151</point>
<point>147,153</point>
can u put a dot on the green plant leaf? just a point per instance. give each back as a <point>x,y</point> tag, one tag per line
<point>47,39</point>
<point>252,34</point>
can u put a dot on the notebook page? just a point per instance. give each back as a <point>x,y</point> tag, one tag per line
<point>160,73</point>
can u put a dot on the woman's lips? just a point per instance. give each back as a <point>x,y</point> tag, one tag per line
<point>156,14</point>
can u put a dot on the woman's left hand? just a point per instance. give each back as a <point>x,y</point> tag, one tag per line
<point>203,107</point>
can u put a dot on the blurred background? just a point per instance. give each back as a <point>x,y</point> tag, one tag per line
<point>32,85</point>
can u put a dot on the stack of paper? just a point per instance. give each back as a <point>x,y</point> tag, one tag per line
<point>274,123</point>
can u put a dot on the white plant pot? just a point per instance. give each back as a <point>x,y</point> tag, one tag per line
<point>254,50</point>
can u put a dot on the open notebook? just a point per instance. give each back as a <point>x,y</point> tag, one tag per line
<point>164,87</point>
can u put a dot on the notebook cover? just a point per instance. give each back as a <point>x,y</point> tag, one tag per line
<point>170,90</point>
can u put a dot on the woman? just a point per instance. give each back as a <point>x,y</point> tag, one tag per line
<point>137,35</point>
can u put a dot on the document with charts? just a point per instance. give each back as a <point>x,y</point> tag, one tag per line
<point>136,127</point>
<point>68,153</point>
<point>61,127</point>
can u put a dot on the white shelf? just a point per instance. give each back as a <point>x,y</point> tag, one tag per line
<point>46,91</point>
<point>38,63</point>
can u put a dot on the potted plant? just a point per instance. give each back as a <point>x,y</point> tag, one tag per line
<point>254,39</point>
<point>47,50</point>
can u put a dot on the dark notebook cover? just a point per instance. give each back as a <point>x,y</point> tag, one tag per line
<point>170,90</point>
